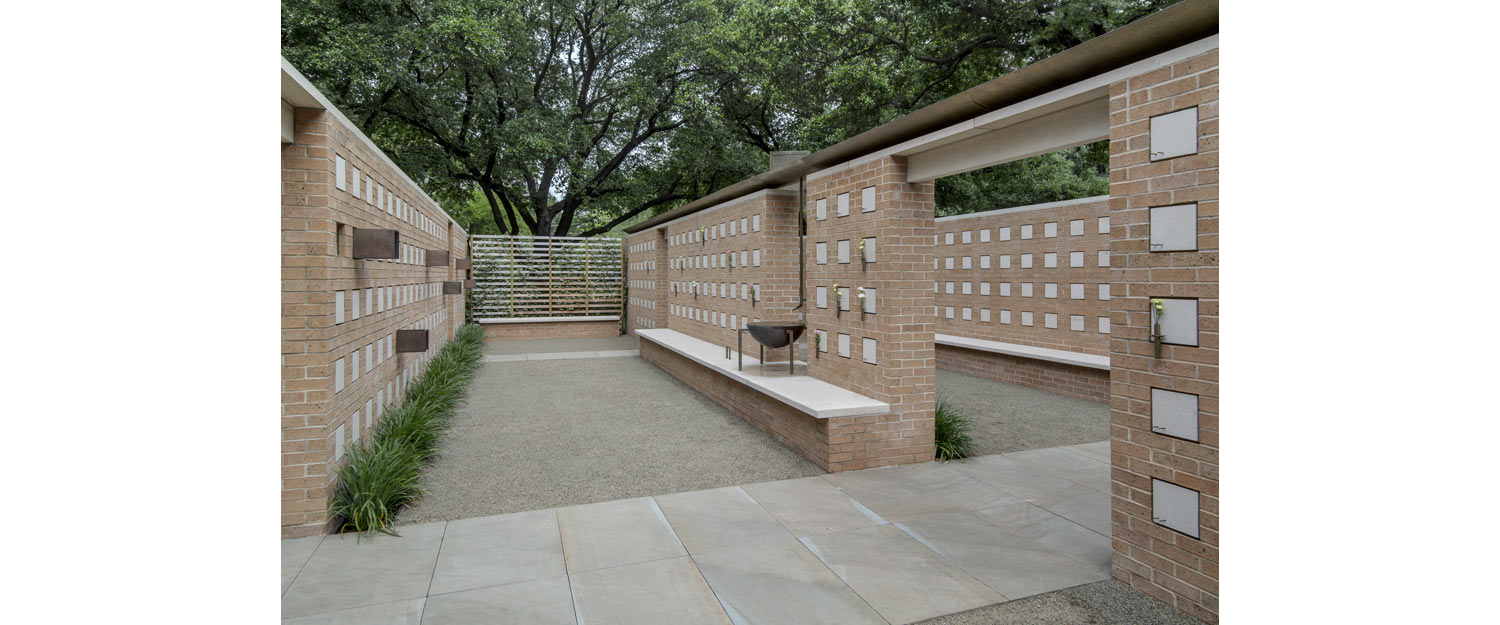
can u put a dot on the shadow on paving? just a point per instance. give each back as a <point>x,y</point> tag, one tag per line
<point>1109,602</point>
<point>1011,418</point>
<point>545,434</point>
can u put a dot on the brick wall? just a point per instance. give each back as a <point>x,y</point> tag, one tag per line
<point>1168,564</point>
<point>552,330</point>
<point>340,315</point>
<point>1031,275</point>
<point>1071,380</point>
<point>765,264</point>
<point>646,279</point>
<point>871,201</point>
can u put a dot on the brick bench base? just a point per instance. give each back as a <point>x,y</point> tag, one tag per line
<point>1071,380</point>
<point>834,444</point>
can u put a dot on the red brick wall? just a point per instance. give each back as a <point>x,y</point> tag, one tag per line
<point>646,280</point>
<point>1169,565</point>
<point>552,330</point>
<point>318,273</point>
<point>1071,380</point>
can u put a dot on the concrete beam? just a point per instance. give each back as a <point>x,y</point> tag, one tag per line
<point>1079,125</point>
<point>288,123</point>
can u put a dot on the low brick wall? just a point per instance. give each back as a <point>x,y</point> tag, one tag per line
<point>834,444</point>
<point>552,330</point>
<point>1071,380</point>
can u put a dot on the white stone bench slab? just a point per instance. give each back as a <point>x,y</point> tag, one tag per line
<point>1026,351</point>
<point>805,393</point>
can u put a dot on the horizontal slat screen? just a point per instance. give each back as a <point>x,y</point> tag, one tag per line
<point>522,276</point>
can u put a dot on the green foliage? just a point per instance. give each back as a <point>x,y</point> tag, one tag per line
<point>384,474</point>
<point>951,433</point>
<point>1063,175</point>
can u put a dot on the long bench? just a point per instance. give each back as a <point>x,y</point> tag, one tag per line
<point>1085,376</point>
<point>1025,351</point>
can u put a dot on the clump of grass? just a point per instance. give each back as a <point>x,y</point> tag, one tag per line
<point>951,433</point>
<point>384,474</point>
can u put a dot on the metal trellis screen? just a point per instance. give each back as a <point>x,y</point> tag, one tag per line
<point>523,276</point>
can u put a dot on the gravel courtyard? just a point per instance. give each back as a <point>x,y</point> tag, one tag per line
<point>550,433</point>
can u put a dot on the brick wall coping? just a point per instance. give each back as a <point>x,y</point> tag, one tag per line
<point>615,318</point>
<point>298,91</point>
<point>730,203</point>
<point>805,393</point>
<point>1025,351</point>
<point>1029,207</point>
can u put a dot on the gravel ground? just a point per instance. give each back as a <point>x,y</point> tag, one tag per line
<point>1016,418</point>
<point>543,434</point>
<point>1109,602</point>
<point>551,346</point>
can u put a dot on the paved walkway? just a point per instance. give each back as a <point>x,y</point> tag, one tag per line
<point>892,545</point>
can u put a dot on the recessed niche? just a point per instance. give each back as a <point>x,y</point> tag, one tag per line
<point>867,351</point>
<point>411,341</point>
<point>968,262</point>
<point>1049,260</point>
<point>984,288</point>
<point>1104,325</point>
<point>967,314</point>
<point>1026,261</point>
<point>1075,259</point>
<point>968,288</point>
<point>822,210</point>
<point>1174,134</point>
<point>822,340</point>
<point>947,238</point>
<point>1103,258</point>
<point>1051,320</point>
<point>1005,233</point>
<point>1005,317</point>
<point>968,236</point>
<point>984,315</point>
<point>843,206</point>
<point>1004,289</point>
<point>1174,228</point>
<point>1075,227</point>
<point>1103,225</point>
<point>844,345</point>
<point>822,253</point>
<point>948,312</point>
<point>1075,323</point>
<point>1179,321</point>
<point>1027,318</point>
<point>844,251</point>
<point>948,263</point>
<point>1049,229</point>
<point>1049,290</point>
<point>1005,261</point>
<point>984,235</point>
<point>1174,414</point>
<point>376,244</point>
<point>842,296</point>
<point>1026,289</point>
<point>1026,232</point>
<point>1075,291</point>
<point>869,245</point>
<point>984,262</point>
<point>869,301</point>
<point>867,199</point>
<point>1174,507</point>
<point>339,174</point>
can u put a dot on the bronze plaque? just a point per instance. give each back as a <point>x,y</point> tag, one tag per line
<point>409,341</point>
<point>437,258</point>
<point>376,244</point>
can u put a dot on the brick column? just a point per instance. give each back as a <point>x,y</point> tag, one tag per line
<point>1168,563</point>
<point>900,225</point>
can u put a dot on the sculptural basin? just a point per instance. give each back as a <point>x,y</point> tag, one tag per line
<point>774,334</point>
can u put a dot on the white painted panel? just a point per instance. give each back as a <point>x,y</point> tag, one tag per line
<point>1104,325</point>
<point>338,442</point>
<point>844,345</point>
<point>867,351</point>
<point>1075,291</point>
<point>968,236</point>
<point>1049,290</point>
<point>1051,320</point>
<point>822,340</point>
<point>1005,233</point>
<point>1179,321</point>
<point>1075,227</point>
<point>843,206</point>
<point>1005,261</point>
<point>355,295</point>
<point>1026,318</point>
<point>822,253</point>
<point>1174,506</point>
<point>948,312</point>
<point>1026,261</point>
<point>984,235</point>
<point>1026,232</point>
<point>950,288</point>
<point>1174,414</point>
<point>338,375</point>
<point>968,262</point>
<point>842,297</point>
<point>756,258</point>
<point>948,263</point>
<point>338,307</point>
<point>867,199</point>
<point>1049,260</point>
<point>1104,292</point>
<point>984,288</point>
<point>340,176</point>
<point>968,314</point>
<point>1103,258</point>
<point>947,238</point>
<point>822,211</point>
<point>1005,317</point>
<point>1174,134</point>
<point>984,315</point>
<point>1049,229</point>
<point>968,288</point>
<point>1103,225</point>
<point>984,262</point>
<point>822,297</point>
<point>1075,323</point>
<point>1174,228</point>
<point>744,221</point>
<point>1075,259</point>
<point>756,222</point>
<point>844,251</point>
<point>869,243</point>
<point>870,301</point>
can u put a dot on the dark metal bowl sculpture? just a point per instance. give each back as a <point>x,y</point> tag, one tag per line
<point>774,334</point>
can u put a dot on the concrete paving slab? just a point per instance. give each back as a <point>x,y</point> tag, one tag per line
<point>897,493</point>
<point>1089,508</point>
<point>408,612</point>
<point>662,592</point>
<point>1009,564</point>
<point>505,358</point>
<point>562,356</point>
<point>902,579</point>
<point>720,518</point>
<point>348,572</point>
<point>545,601</point>
<point>495,550</point>
<point>618,353</point>
<point>812,505</point>
<point>538,346</point>
<point>616,533</point>
<point>1075,467</point>
<point>1015,477</point>
<point>761,585</point>
<point>1098,451</point>
<point>294,554</point>
<point>1063,536</point>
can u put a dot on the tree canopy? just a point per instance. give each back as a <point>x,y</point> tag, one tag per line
<point>573,117</point>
